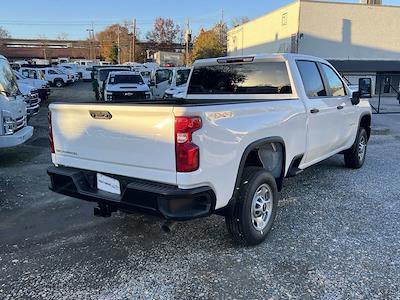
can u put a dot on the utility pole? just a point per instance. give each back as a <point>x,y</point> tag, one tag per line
<point>92,52</point>
<point>222,28</point>
<point>118,43</point>
<point>188,38</point>
<point>133,40</point>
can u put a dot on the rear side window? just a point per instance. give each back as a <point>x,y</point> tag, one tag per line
<point>260,78</point>
<point>335,83</point>
<point>312,80</point>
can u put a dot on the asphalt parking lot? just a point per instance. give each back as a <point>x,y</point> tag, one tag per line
<point>336,236</point>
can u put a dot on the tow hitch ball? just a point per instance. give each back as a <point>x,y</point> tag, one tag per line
<point>104,211</point>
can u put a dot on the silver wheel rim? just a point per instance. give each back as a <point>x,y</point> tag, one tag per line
<point>362,147</point>
<point>261,207</point>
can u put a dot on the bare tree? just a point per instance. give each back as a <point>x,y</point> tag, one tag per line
<point>62,36</point>
<point>164,32</point>
<point>4,34</point>
<point>237,21</point>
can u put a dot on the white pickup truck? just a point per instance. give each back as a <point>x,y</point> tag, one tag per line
<point>245,124</point>
<point>13,116</point>
<point>125,86</point>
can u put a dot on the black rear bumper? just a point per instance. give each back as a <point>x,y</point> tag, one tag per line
<point>137,195</point>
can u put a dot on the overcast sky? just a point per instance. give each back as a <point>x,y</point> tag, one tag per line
<point>31,19</point>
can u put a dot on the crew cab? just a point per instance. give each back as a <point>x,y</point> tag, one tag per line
<point>244,125</point>
<point>13,118</point>
<point>41,85</point>
<point>125,86</point>
<point>31,98</point>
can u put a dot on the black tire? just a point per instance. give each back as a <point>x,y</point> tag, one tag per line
<point>58,83</point>
<point>240,221</point>
<point>354,157</point>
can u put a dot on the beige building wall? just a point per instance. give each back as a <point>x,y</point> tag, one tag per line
<point>349,31</point>
<point>274,32</point>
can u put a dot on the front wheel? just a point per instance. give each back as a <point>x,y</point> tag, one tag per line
<point>255,208</point>
<point>354,157</point>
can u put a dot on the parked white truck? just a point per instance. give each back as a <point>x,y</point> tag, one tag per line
<point>245,124</point>
<point>13,118</point>
<point>31,98</point>
<point>125,86</point>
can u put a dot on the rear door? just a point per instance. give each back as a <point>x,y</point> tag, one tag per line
<point>324,126</point>
<point>130,140</point>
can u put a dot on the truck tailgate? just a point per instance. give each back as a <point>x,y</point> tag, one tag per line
<point>129,140</point>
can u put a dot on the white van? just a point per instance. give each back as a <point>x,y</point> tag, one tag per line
<point>167,78</point>
<point>13,119</point>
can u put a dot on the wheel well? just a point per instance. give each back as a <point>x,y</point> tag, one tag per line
<point>267,153</point>
<point>366,124</point>
<point>270,156</point>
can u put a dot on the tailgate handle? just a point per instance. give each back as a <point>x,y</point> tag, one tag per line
<point>99,114</point>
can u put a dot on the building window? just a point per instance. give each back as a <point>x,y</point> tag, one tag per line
<point>284,19</point>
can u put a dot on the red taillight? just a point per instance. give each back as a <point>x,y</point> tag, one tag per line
<point>187,153</point>
<point>50,132</point>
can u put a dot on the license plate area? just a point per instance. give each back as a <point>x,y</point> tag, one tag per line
<point>108,184</point>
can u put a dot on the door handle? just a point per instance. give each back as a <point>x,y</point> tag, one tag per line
<point>340,107</point>
<point>314,110</point>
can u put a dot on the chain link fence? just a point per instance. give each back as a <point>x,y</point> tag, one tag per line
<point>385,91</point>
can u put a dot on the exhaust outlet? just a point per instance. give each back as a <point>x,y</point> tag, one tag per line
<point>168,226</point>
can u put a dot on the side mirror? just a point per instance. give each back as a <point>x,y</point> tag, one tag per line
<point>152,83</point>
<point>365,87</point>
<point>355,98</point>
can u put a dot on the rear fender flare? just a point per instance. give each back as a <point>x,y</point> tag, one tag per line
<point>255,146</point>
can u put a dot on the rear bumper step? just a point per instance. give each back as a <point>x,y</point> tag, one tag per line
<point>137,195</point>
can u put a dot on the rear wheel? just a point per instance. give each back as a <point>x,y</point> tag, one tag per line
<point>354,157</point>
<point>255,208</point>
<point>58,83</point>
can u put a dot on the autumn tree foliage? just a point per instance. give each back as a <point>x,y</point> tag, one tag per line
<point>108,40</point>
<point>208,44</point>
<point>164,31</point>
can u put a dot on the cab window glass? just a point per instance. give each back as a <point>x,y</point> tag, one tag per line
<point>311,78</point>
<point>260,78</point>
<point>336,88</point>
<point>163,75</point>
<point>8,84</point>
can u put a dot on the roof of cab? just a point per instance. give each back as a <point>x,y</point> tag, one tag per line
<point>3,57</point>
<point>124,73</point>
<point>254,58</point>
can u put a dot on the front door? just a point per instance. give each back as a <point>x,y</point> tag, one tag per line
<point>163,78</point>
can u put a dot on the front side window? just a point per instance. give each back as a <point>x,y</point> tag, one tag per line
<point>182,76</point>
<point>312,79</point>
<point>33,74</point>
<point>260,78</point>
<point>336,88</point>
